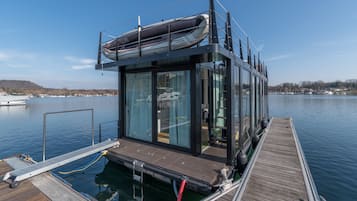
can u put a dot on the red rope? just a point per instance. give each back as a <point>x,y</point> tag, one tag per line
<point>182,188</point>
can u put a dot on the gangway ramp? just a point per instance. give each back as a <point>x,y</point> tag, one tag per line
<point>17,175</point>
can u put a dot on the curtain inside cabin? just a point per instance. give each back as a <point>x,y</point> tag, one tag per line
<point>174,108</point>
<point>138,103</point>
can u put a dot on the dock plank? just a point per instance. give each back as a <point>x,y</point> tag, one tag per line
<point>277,173</point>
<point>42,187</point>
<point>25,192</point>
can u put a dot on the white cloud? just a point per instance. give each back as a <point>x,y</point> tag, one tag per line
<point>17,59</point>
<point>18,65</point>
<point>7,55</point>
<point>80,63</point>
<point>4,56</point>
<point>80,67</point>
<point>278,57</point>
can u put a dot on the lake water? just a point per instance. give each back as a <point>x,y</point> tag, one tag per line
<point>326,125</point>
<point>327,129</point>
<point>21,132</point>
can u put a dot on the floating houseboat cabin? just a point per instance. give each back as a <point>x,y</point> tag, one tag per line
<point>182,89</point>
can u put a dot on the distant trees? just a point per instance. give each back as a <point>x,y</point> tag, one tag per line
<point>315,86</point>
<point>285,87</point>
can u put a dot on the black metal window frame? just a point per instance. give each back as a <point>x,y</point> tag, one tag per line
<point>154,70</point>
<point>193,64</point>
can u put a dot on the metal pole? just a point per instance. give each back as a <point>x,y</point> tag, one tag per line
<point>92,127</point>
<point>254,62</point>
<point>240,50</point>
<point>100,132</point>
<point>229,33</point>
<point>99,58</point>
<point>169,38</point>
<point>139,35</point>
<point>116,52</point>
<point>44,139</point>
<point>213,35</point>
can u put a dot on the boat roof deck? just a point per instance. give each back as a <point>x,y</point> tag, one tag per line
<point>26,191</point>
<point>204,169</point>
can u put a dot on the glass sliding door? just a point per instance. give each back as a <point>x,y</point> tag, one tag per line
<point>174,108</point>
<point>138,105</point>
<point>219,102</point>
<point>205,108</point>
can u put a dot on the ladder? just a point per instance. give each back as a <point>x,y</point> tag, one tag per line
<point>17,175</point>
<point>138,171</point>
<point>138,176</point>
<point>136,189</point>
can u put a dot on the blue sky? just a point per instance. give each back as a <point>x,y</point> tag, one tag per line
<point>54,43</point>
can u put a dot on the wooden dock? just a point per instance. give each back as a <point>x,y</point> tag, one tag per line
<point>27,191</point>
<point>277,170</point>
<point>39,188</point>
<point>202,172</point>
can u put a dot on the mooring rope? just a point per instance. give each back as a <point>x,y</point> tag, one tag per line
<point>85,167</point>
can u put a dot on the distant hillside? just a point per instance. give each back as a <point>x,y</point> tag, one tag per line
<point>27,87</point>
<point>18,84</point>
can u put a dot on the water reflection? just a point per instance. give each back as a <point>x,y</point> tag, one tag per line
<point>12,110</point>
<point>21,132</point>
<point>115,183</point>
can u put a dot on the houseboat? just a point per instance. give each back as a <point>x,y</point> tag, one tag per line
<point>187,112</point>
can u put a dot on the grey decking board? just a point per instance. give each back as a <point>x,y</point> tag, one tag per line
<point>26,191</point>
<point>277,173</point>
<point>41,187</point>
<point>201,169</point>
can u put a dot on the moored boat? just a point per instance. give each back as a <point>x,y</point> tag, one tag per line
<point>10,100</point>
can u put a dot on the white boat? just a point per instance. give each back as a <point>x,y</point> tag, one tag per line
<point>182,32</point>
<point>10,100</point>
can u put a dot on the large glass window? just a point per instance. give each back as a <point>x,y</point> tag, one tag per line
<point>265,95</point>
<point>205,108</point>
<point>257,102</point>
<point>174,108</point>
<point>245,104</point>
<point>219,101</point>
<point>138,106</point>
<point>235,104</point>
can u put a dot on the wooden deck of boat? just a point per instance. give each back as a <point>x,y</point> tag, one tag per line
<point>277,171</point>
<point>26,191</point>
<point>203,170</point>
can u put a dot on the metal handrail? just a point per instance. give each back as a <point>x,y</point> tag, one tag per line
<point>60,112</point>
<point>100,128</point>
<point>312,191</point>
